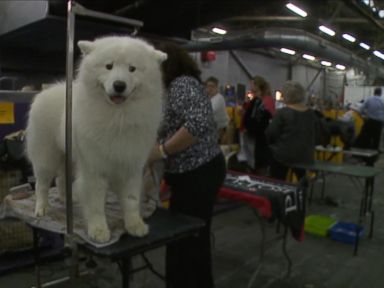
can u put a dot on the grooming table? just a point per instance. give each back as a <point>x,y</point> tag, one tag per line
<point>271,199</point>
<point>165,227</point>
<point>354,172</point>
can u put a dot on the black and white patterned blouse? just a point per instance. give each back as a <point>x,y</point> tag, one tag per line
<point>187,105</point>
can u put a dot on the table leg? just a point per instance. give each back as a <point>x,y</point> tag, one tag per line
<point>323,186</point>
<point>285,252</point>
<point>125,269</point>
<point>370,200</point>
<point>36,256</point>
<point>311,192</point>
<point>372,224</point>
<point>356,240</point>
<point>371,186</point>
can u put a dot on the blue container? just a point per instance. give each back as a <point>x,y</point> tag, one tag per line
<point>346,232</point>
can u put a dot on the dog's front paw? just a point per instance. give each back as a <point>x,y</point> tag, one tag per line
<point>99,233</point>
<point>40,209</point>
<point>137,228</point>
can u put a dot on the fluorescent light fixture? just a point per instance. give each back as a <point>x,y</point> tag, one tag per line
<point>308,57</point>
<point>349,37</point>
<point>340,67</point>
<point>365,46</point>
<point>288,51</point>
<point>297,10</point>
<point>381,13</point>
<point>326,30</point>
<point>326,63</point>
<point>219,31</point>
<point>378,54</point>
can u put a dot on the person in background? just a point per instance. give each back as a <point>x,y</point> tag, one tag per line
<point>373,109</point>
<point>194,165</point>
<point>291,133</point>
<point>257,116</point>
<point>218,104</point>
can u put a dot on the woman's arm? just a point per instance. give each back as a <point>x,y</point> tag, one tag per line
<point>180,141</point>
<point>274,128</point>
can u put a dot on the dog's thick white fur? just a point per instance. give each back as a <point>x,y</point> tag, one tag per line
<point>117,103</point>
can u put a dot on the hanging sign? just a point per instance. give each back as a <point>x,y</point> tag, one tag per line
<point>7,113</point>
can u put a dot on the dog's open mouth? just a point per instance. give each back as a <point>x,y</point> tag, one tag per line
<point>117,99</point>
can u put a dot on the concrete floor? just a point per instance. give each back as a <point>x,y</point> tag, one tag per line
<point>317,262</point>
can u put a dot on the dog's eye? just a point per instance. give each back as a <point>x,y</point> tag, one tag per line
<point>132,68</point>
<point>109,66</point>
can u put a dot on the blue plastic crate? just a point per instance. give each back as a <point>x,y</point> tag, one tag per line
<point>346,232</point>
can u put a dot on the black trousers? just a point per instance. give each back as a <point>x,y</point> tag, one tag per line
<point>369,137</point>
<point>188,262</point>
<point>278,170</point>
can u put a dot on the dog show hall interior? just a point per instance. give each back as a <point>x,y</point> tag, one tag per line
<point>191,144</point>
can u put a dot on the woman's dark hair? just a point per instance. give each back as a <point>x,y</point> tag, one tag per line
<point>262,84</point>
<point>178,63</point>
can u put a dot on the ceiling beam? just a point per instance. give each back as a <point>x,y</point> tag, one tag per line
<point>357,7</point>
<point>292,19</point>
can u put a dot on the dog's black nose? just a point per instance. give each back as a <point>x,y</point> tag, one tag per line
<point>119,86</point>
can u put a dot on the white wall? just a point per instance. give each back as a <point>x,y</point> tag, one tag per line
<point>227,70</point>
<point>356,94</point>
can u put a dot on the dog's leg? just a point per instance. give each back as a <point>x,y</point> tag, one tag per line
<point>129,194</point>
<point>60,183</point>
<point>92,190</point>
<point>44,179</point>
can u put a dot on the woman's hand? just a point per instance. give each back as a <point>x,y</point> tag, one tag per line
<point>155,155</point>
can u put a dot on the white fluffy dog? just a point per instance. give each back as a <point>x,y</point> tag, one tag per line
<point>117,102</point>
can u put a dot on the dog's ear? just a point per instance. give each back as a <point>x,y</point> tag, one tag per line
<point>86,47</point>
<point>160,56</point>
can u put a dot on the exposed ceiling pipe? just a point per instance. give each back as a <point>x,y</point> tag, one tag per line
<point>296,39</point>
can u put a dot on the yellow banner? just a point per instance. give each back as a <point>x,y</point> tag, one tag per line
<point>7,113</point>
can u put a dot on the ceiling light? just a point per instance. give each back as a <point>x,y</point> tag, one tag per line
<point>326,30</point>
<point>309,57</point>
<point>340,67</point>
<point>219,31</point>
<point>349,37</point>
<point>381,13</point>
<point>297,10</point>
<point>378,54</point>
<point>326,63</point>
<point>288,51</point>
<point>365,46</point>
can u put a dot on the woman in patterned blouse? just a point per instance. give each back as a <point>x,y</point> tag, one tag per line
<point>195,166</point>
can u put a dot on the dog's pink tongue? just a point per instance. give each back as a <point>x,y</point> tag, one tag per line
<point>117,99</point>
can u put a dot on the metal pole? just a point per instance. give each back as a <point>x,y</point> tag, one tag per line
<point>68,116</point>
<point>241,64</point>
<point>68,141</point>
<point>80,10</point>
<point>313,80</point>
